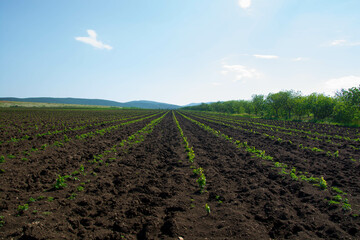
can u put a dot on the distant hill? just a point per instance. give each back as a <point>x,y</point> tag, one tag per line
<point>196,104</point>
<point>98,102</point>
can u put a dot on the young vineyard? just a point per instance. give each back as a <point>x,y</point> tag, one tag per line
<point>152,174</point>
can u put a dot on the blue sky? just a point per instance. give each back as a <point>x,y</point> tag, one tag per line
<point>176,51</point>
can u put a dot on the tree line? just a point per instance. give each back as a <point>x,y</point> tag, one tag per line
<point>343,108</point>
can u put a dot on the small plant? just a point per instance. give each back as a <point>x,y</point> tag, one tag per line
<point>60,182</point>
<point>11,156</point>
<point>198,171</point>
<point>35,211</point>
<point>202,182</point>
<point>346,207</point>
<point>80,188</point>
<point>2,159</point>
<point>31,200</point>
<point>323,183</point>
<point>338,190</point>
<point>337,198</point>
<point>66,138</point>
<point>22,208</point>
<point>2,222</point>
<point>218,199</point>
<point>24,159</point>
<point>332,202</point>
<point>207,208</point>
<point>293,176</point>
<point>40,197</point>
<point>72,196</point>
<point>50,199</point>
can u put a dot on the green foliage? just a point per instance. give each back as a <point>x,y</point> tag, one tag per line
<point>323,183</point>
<point>337,198</point>
<point>72,196</point>
<point>198,171</point>
<point>344,108</point>
<point>293,176</point>
<point>2,221</point>
<point>60,182</point>
<point>2,159</point>
<point>40,197</point>
<point>201,181</point>
<point>332,202</point>
<point>338,190</point>
<point>22,208</point>
<point>50,199</point>
<point>31,200</point>
<point>80,188</point>
<point>207,208</point>
<point>346,207</point>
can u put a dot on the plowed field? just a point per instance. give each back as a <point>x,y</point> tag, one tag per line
<point>126,174</point>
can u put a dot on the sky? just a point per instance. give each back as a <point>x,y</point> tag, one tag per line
<point>178,51</point>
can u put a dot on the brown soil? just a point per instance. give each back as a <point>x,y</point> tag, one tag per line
<point>150,192</point>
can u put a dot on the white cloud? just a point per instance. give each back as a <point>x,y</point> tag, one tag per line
<point>240,72</point>
<point>93,41</point>
<point>244,3</point>
<point>338,42</point>
<point>343,42</point>
<point>299,59</point>
<point>335,84</point>
<point>266,56</point>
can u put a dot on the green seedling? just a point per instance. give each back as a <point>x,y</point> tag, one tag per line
<point>72,196</point>
<point>31,200</point>
<point>80,188</point>
<point>202,182</point>
<point>323,183</point>
<point>60,182</point>
<point>2,221</point>
<point>2,159</point>
<point>22,208</point>
<point>50,199</point>
<point>207,208</point>
<point>198,171</point>
<point>346,207</point>
<point>337,198</point>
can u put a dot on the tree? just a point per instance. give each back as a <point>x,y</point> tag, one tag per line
<point>320,105</point>
<point>258,103</point>
<point>300,107</point>
<point>274,102</point>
